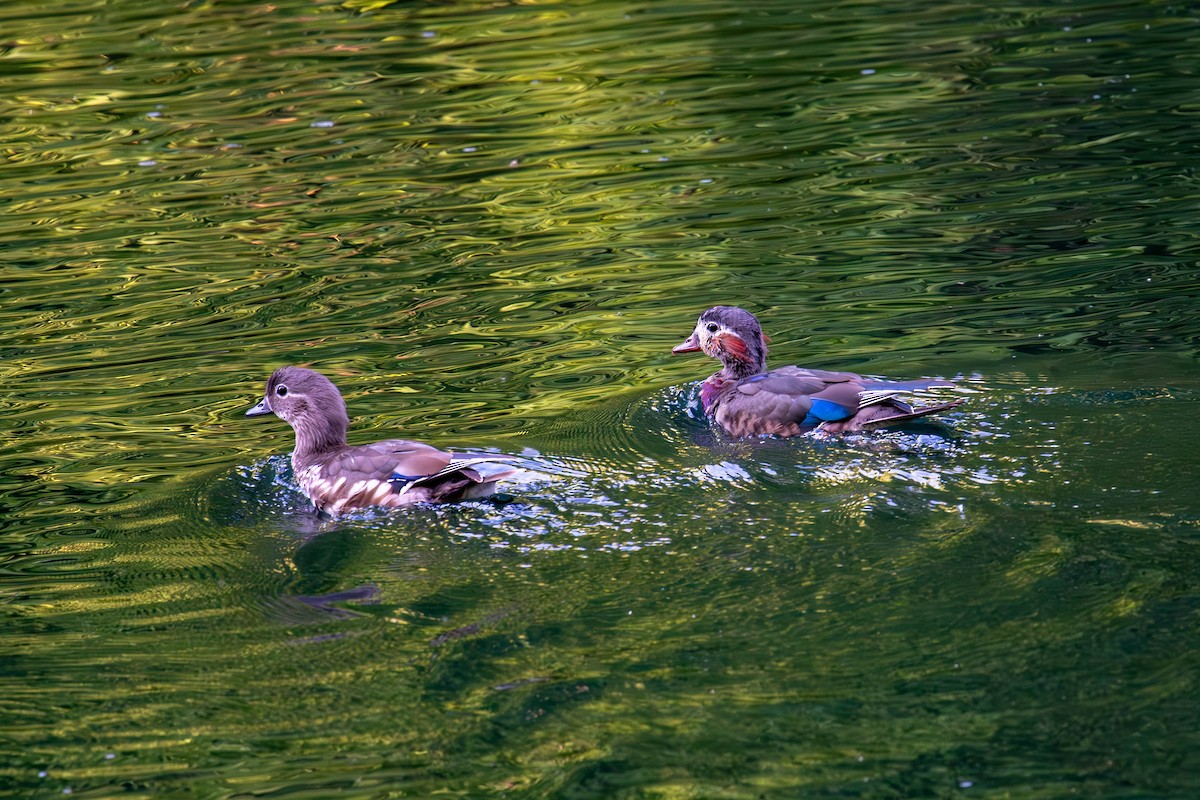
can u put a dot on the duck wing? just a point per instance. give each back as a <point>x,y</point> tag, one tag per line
<point>794,400</point>
<point>789,401</point>
<point>886,414</point>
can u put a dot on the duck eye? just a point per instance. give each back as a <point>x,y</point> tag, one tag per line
<point>713,327</point>
<point>281,391</point>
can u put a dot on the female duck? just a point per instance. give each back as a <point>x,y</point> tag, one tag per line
<point>339,477</point>
<point>747,400</point>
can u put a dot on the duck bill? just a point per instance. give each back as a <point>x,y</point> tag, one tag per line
<point>690,345</point>
<point>262,409</point>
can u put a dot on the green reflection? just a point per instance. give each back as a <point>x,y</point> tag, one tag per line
<point>489,223</point>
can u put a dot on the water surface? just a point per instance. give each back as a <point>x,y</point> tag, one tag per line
<point>489,224</point>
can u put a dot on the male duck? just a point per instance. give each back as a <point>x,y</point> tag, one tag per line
<point>746,400</point>
<point>339,477</point>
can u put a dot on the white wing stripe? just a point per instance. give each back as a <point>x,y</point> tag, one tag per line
<point>871,397</point>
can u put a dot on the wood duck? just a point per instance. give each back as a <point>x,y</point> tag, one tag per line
<point>746,400</point>
<point>339,477</point>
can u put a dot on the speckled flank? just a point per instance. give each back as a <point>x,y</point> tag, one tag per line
<point>335,494</point>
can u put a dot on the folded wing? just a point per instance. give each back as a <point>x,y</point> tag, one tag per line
<point>793,400</point>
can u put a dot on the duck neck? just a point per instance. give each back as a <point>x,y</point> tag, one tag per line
<point>315,440</point>
<point>742,354</point>
<point>736,369</point>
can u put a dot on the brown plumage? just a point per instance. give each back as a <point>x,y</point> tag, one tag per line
<point>747,400</point>
<point>339,477</point>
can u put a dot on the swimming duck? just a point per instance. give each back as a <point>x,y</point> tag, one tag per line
<point>339,477</point>
<point>747,400</point>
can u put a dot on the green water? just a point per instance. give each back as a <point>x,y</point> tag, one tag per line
<point>489,223</point>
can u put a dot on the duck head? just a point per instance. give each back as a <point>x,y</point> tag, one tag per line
<point>310,403</point>
<point>733,336</point>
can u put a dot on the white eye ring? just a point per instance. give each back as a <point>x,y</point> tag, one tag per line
<point>713,327</point>
<point>281,391</point>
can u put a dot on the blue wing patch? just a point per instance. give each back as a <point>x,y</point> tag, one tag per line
<point>825,411</point>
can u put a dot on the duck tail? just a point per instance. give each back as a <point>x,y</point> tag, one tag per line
<point>884,415</point>
<point>907,414</point>
<point>907,386</point>
<point>490,471</point>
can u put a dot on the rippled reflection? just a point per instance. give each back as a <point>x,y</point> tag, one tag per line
<point>489,225</point>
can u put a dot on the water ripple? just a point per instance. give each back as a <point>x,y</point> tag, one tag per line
<point>489,226</point>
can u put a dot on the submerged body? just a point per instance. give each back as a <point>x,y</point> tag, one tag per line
<point>338,477</point>
<point>747,400</point>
